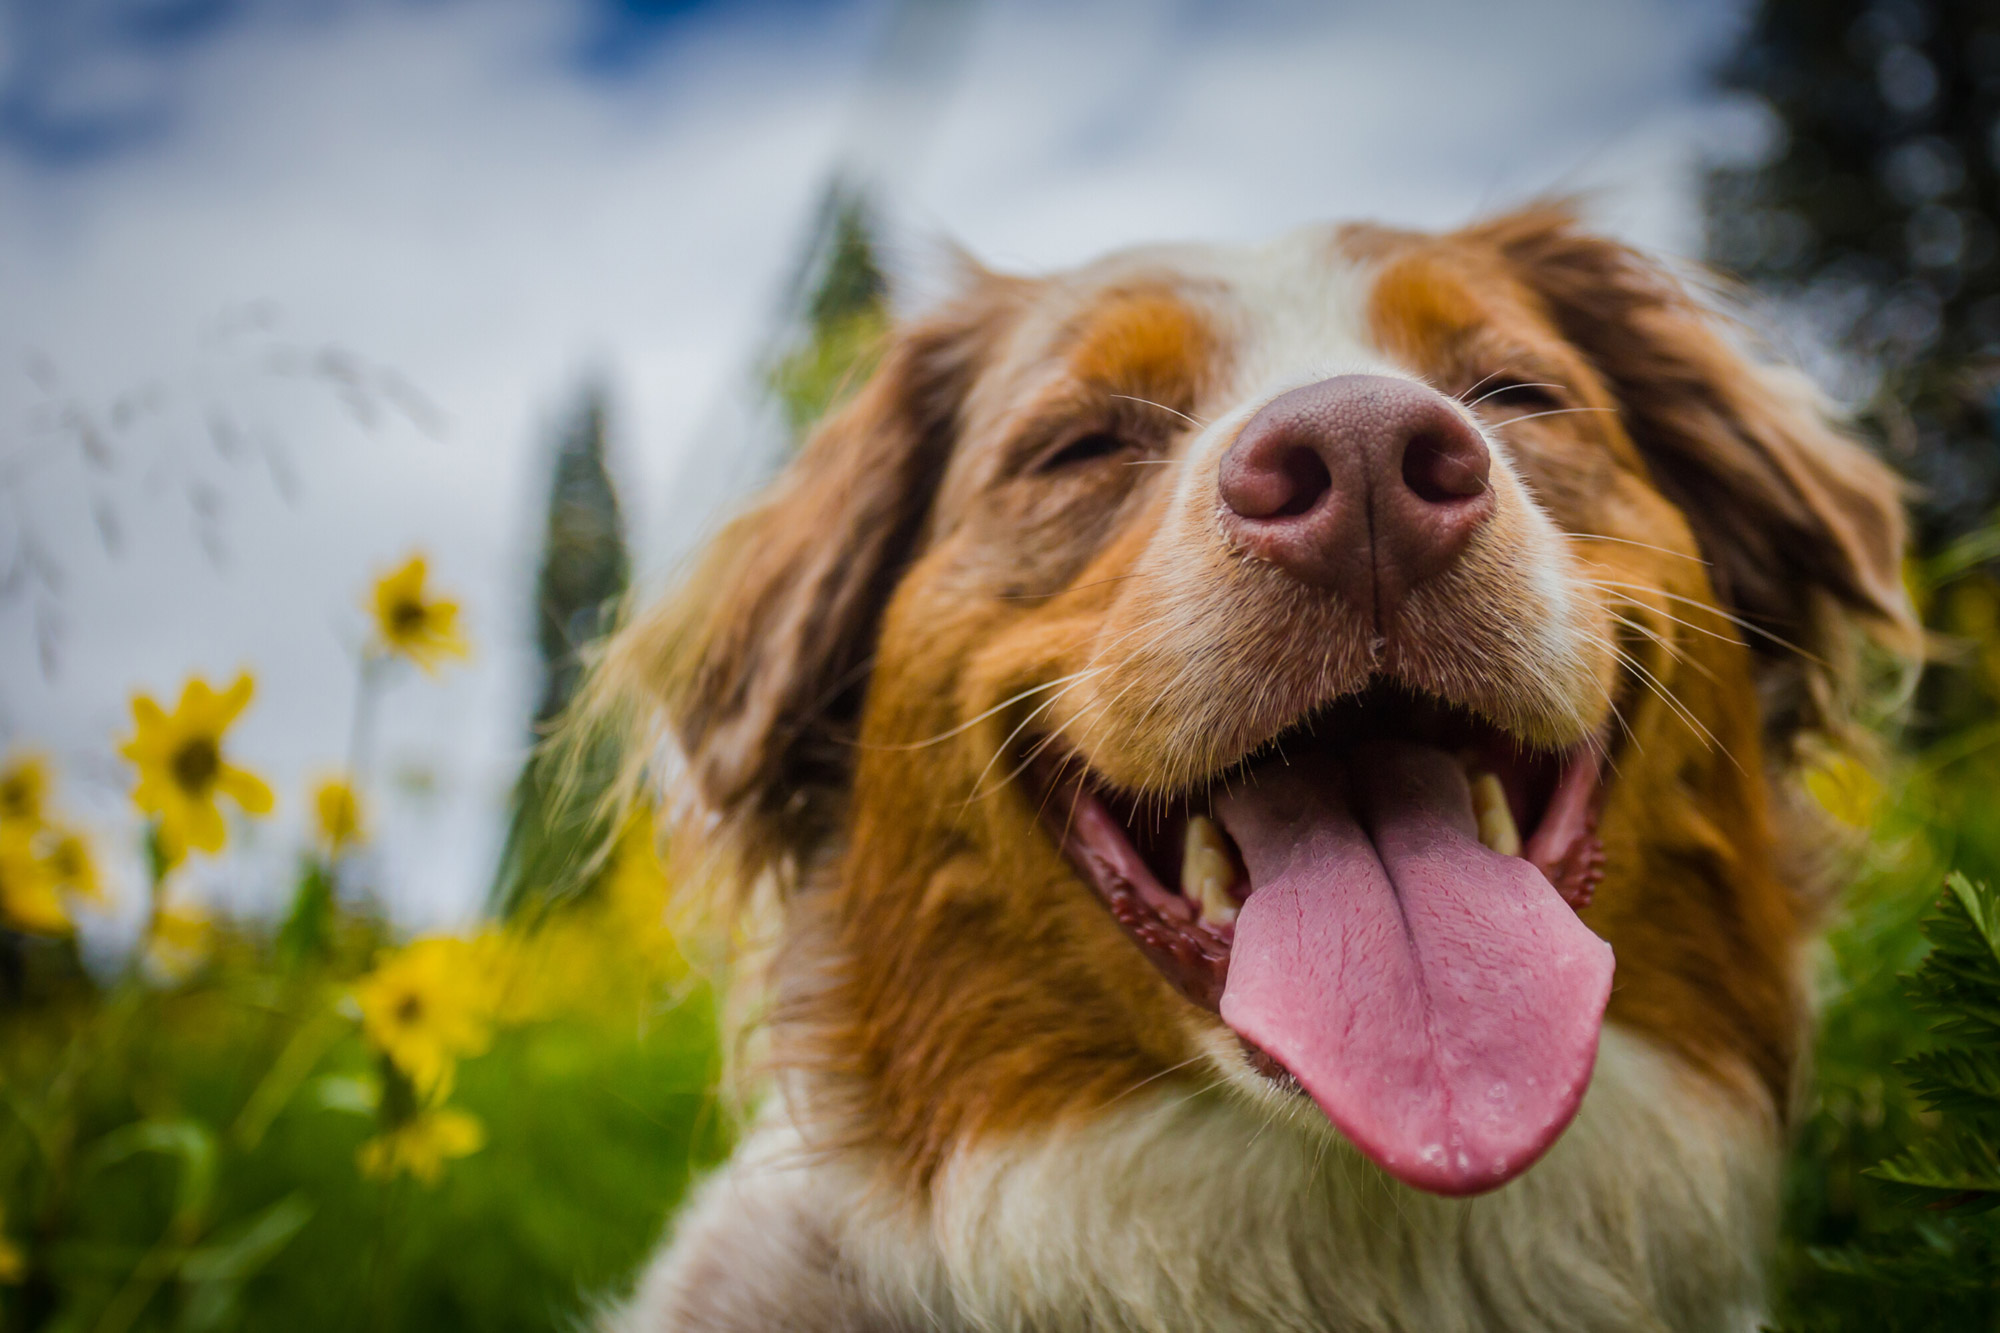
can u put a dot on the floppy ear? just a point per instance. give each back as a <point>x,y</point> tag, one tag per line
<point>1803,529</point>
<point>757,665</point>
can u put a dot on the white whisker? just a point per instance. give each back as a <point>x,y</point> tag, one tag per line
<point>1539,384</point>
<point>1134,398</point>
<point>1716,611</point>
<point>972,722</point>
<point>1673,702</point>
<point>1460,395</point>
<point>1644,546</point>
<point>1553,412</point>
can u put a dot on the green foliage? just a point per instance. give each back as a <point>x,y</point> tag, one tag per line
<point>845,316</point>
<point>185,1157</point>
<point>1887,1222</point>
<point>558,828</point>
<point>584,562</point>
<point>1872,220</point>
<point>1959,986</point>
<point>836,360</point>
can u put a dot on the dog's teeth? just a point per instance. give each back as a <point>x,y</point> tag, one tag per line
<point>1496,821</point>
<point>1207,871</point>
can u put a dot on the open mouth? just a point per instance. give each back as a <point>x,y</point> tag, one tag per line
<point>1382,903</point>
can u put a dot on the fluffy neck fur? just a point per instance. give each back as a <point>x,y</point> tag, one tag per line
<point>1185,1208</point>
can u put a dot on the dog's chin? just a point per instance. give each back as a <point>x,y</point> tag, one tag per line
<point>1385,891</point>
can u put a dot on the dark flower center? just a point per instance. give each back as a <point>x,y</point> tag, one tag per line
<point>407,617</point>
<point>17,799</point>
<point>409,1009</point>
<point>196,764</point>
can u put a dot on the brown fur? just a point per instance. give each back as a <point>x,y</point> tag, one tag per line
<point>1700,453</point>
<point>857,665</point>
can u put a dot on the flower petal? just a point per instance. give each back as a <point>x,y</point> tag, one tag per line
<point>246,789</point>
<point>172,839</point>
<point>205,830</point>
<point>403,584</point>
<point>457,1133</point>
<point>149,730</point>
<point>35,909</point>
<point>197,705</point>
<point>233,700</point>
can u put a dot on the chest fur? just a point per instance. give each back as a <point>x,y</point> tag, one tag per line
<point>1188,1209</point>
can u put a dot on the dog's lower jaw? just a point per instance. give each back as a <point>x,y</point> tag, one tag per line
<point>1187,1209</point>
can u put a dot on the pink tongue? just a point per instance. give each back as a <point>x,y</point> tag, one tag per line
<point>1440,1001</point>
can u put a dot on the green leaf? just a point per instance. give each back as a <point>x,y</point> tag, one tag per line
<point>215,1273</point>
<point>1960,1080</point>
<point>1956,1080</point>
<point>355,1094</point>
<point>1982,907</point>
<point>192,1142</point>
<point>1955,1160</point>
<point>309,925</point>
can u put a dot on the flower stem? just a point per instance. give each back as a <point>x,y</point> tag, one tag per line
<point>157,868</point>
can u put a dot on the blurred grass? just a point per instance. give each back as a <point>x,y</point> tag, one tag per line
<point>1859,1252</point>
<point>594,1125</point>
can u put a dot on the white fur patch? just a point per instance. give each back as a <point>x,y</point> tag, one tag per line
<point>1179,1210</point>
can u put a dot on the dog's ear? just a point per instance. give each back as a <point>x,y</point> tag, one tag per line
<point>756,667</point>
<point>1803,529</point>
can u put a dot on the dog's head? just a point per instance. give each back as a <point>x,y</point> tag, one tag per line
<point>1309,665</point>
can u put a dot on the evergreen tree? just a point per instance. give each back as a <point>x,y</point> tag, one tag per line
<point>1875,218</point>
<point>841,299</point>
<point>558,829</point>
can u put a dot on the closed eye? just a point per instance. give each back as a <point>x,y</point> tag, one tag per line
<point>1518,395</point>
<point>1084,449</point>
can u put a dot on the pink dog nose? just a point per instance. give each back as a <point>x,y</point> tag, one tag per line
<point>1362,484</point>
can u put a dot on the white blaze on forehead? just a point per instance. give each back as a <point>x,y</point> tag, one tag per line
<point>1308,305</point>
<point>1298,312</point>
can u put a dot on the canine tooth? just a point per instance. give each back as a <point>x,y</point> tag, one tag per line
<point>1207,871</point>
<point>1496,821</point>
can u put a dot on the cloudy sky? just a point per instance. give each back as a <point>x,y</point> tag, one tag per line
<point>290,289</point>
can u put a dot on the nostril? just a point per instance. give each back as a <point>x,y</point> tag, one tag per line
<point>1265,477</point>
<point>1441,469</point>
<point>1305,472</point>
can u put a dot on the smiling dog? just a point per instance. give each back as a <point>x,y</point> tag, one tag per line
<point>1277,770</point>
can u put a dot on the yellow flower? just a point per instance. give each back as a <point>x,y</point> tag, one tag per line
<point>180,943</point>
<point>636,893</point>
<point>28,898</point>
<point>182,769</point>
<point>605,953</point>
<point>24,785</point>
<point>425,631</point>
<point>429,1004</point>
<point>422,1144</point>
<point>72,866</point>
<point>1845,789</point>
<point>339,808</point>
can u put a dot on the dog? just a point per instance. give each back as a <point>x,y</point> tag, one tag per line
<point>1277,769</point>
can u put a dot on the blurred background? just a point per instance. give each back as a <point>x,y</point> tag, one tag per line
<point>295,292</point>
<point>291,288</point>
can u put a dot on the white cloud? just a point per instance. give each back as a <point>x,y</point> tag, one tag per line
<point>431,187</point>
